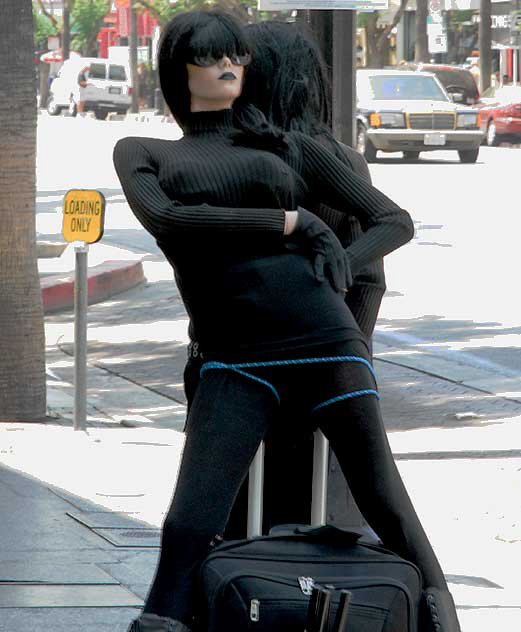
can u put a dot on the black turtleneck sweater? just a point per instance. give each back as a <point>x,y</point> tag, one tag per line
<point>216,210</point>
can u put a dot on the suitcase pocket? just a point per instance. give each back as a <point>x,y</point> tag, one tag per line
<point>276,603</point>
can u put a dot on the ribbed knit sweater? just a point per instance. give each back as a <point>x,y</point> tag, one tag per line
<point>365,295</point>
<point>216,209</point>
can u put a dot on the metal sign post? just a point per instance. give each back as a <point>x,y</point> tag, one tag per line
<point>83,220</point>
<point>80,336</point>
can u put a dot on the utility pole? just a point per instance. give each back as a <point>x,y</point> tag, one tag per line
<point>485,44</point>
<point>421,49</point>
<point>321,23</point>
<point>335,32</point>
<point>344,76</point>
<point>66,35</point>
<point>133,59</point>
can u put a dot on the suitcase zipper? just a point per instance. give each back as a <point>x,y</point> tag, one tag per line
<point>338,582</point>
<point>255,610</point>
<point>223,553</point>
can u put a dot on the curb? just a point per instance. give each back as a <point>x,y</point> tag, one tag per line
<point>50,249</point>
<point>103,281</point>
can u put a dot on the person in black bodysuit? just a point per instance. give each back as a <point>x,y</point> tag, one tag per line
<point>287,81</point>
<point>225,205</point>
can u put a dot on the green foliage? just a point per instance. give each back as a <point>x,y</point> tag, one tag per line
<point>164,10</point>
<point>87,18</point>
<point>457,18</point>
<point>43,27</point>
<point>363,18</point>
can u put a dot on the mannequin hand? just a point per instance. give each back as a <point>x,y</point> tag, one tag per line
<point>439,611</point>
<point>327,255</point>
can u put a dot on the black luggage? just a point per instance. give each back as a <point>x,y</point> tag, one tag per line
<point>264,583</point>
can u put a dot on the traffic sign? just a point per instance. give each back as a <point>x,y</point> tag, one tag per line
<point>83,215</point>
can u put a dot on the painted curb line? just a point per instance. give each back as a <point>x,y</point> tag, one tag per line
<point>104,280</point>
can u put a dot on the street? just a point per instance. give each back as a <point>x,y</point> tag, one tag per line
<point>452,288</point>
<point>447,350</point>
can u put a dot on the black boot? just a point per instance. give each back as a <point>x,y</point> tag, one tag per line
<point>149,622</point>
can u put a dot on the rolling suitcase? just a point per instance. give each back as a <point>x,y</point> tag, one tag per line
<point>264,583</point>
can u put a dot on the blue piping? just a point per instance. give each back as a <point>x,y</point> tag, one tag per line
<point>221,365</point>
<point>339,398</point>
<point>255,365</point>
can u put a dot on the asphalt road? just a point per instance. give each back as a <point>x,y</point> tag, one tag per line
<point>452,289</point>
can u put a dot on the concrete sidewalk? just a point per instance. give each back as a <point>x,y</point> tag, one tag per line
<point>111,270</point>
<point>79,541</point>
<point>86,507</point>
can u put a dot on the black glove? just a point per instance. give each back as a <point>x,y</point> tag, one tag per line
<point>327,255</point>
<point>438,612</point>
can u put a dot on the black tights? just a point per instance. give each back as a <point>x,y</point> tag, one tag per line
<point>230,415</point>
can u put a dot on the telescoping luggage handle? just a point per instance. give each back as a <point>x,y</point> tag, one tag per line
<point>318,491</point>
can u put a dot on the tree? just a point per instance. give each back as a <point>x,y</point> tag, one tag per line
<point>87,17</point>
<point>62,27</point>
<point>421,46</point>
<point>43,27</point>
<point>378,35</point>
<point>22,347</point>
<point>164,10</point>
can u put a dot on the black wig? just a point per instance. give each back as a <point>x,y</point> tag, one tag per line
<point>287,79</point>
<point>194,34</point>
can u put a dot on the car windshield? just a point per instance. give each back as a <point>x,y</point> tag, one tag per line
<point>117,73</point>
<point>406,87</point>
<point>97,71</point>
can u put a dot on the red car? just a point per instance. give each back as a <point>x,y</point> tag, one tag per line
<point>500,114</point>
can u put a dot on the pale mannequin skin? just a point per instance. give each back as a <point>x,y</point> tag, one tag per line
<point>208,93</point>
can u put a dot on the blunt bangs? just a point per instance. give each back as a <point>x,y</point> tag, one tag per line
<point>218,37</point>
<point>194,34</point>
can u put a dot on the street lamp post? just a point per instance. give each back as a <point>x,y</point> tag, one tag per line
<point>485,44</point>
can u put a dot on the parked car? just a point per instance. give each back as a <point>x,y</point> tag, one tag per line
<point>500,114</point>
<point>108,87</point>
<point>459,83</point>
<point>405,111</point>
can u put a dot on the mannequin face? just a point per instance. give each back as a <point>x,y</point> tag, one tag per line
<point>215,86</point>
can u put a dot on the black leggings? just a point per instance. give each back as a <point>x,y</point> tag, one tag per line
<point>231,413</point>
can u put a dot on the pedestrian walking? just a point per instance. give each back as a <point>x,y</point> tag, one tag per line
<point>226,204</point>
<point>83,76</point>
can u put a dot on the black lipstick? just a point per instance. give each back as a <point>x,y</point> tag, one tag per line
<point>227,75</point>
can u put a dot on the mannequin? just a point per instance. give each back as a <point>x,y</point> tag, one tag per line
<point>287,81</point>
<point>226,206</point>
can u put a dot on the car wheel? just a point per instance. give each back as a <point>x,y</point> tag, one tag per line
<point>468,155</point>
<point>101,115</point>
<point>411,155</point>
<point>52,107</point>
<point>492,135</point>
<point>364,145</point>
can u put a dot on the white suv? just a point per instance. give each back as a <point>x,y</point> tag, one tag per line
<point>108,87</point>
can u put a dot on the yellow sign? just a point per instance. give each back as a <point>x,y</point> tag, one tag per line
<point>83,215</point>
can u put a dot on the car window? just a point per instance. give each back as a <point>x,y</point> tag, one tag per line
<point>406,86</point>
<point>97,71</point>
<point>461,79</point>
<point>117,73</point>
